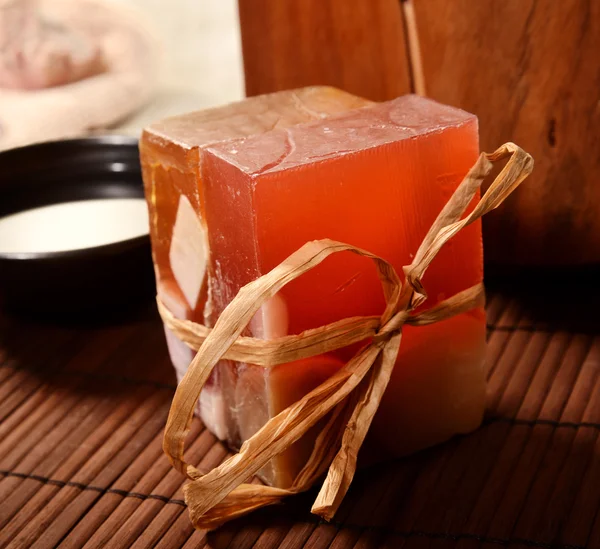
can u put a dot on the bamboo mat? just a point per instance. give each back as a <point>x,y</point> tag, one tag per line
<point>82,412</point>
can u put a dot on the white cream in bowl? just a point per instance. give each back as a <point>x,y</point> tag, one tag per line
<point>73,225</point>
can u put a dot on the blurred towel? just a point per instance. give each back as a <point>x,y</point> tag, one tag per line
<point>68,67</point>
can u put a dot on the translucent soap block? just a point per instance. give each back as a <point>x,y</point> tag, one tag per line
<point>376,178</point>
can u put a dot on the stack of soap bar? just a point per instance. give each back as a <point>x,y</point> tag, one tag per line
<point>376,178</point>
<point>171,155</point>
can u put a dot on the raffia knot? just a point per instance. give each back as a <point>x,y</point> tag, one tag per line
<point>348,400</point>
<point>392,326</point>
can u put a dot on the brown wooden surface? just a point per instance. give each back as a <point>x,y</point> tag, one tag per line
<point>82,412</point>
<point>530,70</point>
<point>356,45</point>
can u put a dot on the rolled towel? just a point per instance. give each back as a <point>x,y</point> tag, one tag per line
<point>71,66</point>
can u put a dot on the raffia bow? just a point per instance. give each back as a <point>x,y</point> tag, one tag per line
<point>352,395</point>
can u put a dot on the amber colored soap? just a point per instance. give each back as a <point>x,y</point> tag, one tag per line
<point>171,154</point>
<point>376,178</point>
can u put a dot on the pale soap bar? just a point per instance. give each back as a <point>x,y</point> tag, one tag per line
<point>171,153</point>
<point>376,178</point>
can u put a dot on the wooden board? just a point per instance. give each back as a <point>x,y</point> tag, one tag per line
<point>530,70</point>
<point>358,46</point>
<point>82,411</point>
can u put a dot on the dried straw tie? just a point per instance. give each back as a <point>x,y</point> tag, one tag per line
<point>352,395</point>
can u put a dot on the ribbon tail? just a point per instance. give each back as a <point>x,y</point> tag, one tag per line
<point>326,445</point>
<point>282,431</point>
<point>245,499</point>
<point>368,396</point>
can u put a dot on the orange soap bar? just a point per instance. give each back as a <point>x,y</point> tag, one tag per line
<point>376,178</point>
<point>171,154</point>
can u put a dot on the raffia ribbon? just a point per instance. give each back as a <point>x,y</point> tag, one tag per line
<point>352,395</point>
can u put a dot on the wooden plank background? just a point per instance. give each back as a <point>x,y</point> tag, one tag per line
<point>355,45</point>
<point>529,69</point>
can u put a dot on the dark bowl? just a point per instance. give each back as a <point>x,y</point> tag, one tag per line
<point>103,279</point>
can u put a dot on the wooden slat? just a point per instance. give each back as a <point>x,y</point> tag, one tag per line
<point>177,534</point>
<point>542,440</point>
<point>68,503</point>
<point>358,46</point>
<point>529,70</point>
<point>93,526</point>
<point>139,524</point>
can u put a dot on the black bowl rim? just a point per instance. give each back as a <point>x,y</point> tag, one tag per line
<point>113,247</point>
<point>108,139</point>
